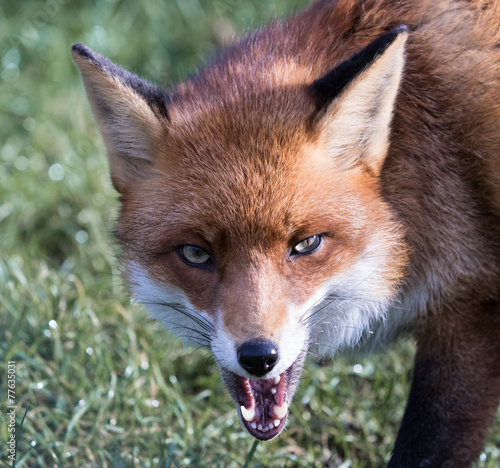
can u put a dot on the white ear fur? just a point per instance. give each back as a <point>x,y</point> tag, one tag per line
<point>356,126</point>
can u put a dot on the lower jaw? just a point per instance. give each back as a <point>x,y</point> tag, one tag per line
<point>272,430</point>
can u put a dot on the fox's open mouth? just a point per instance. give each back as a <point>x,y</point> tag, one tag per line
<point>263,403</point>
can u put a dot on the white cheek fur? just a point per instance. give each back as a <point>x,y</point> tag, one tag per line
<point>355,309</point>
<point>170,307</point>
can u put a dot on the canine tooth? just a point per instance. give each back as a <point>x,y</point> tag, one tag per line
<point>276,422</point>
<point>277,379</point>
<point>247,414</point>
<point>254,425</point>
<point>280,411</point>
<point>273,391</point>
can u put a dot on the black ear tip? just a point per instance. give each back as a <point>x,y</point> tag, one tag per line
<point>80,49</point>
<point>384,41</point>
<point>88,54</point>
<point>329,86</point>
<point>402,28</point>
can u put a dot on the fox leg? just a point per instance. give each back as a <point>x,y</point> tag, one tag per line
<point>455,389</point>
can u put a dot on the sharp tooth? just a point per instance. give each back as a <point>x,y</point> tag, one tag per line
<point>277,379</point>
<point>273,391</point>
<point>280,411</point>
<point>247,414</point>
<point>254,425</point>
<point>276,422</point>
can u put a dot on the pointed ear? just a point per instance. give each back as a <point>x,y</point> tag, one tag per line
<point>355,103</point>
<point>131,114</point>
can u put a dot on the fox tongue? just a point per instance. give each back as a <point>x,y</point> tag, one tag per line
<point>268,392</point>
<point>263,406</point>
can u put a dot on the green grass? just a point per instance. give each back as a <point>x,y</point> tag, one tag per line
<point>105,386</point>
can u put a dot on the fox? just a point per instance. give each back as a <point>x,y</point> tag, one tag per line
<point>328,182</point>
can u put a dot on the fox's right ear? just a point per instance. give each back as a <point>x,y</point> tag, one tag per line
<point>131,114</point>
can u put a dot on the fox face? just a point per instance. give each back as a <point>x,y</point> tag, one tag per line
<point>252,218</point>
<point>255,270</point>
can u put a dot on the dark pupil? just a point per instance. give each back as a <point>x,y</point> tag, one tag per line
<point>310,241</point>
<point>194,254</point>
<point>308,244</point>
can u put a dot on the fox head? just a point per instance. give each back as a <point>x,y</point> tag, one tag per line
<point>252,219</point>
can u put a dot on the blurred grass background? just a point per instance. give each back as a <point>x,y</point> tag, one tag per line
<point>105,386</point>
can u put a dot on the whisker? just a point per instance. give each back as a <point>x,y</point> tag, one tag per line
<point>178,326</point>
<point>306,320</point>
<point>330,299</point>
<point>196,318</point>
<point>324,345</point>
<point>333,299</point>
<point>314,355</point>
<point>193,315</point>
<point>190,314</point>
<point>201,338</point>
<point>336,286</point>
<point>201,345</point>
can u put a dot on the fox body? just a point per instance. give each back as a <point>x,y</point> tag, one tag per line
<point>327,182</point>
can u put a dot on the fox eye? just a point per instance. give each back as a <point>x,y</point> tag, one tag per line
<point>307,245</point>
<point>194,255</point>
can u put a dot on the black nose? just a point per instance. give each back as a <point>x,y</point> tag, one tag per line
<point>258,357</point>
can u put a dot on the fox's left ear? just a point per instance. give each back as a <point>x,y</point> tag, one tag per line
<point>355,102</point>
<point>131,114</point>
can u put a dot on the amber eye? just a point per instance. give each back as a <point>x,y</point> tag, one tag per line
<point>307,245</point>
<point>194,255</point>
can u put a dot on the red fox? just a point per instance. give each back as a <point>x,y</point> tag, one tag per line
<point>328,181</point>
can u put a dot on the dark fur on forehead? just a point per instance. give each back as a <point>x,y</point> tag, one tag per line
<point>154,96</point>
<point>329,86</point>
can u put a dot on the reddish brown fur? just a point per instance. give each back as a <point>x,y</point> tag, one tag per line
<point>244,129</point>
<point>248,235</point>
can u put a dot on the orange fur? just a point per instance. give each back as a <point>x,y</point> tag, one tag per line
<point>399,173</point>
